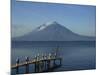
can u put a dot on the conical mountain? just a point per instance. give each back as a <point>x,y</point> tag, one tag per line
<point>53,31</point>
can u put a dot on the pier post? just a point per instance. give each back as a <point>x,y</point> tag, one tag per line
<point>45,65</point>
<point>35,65</point>
<point>48,64</point>
<point>45,62</point>
<point>27,65</point>
<point>60,61</point>
<point>17,68</point>
<point>42,64</point>
<point>54,63</point>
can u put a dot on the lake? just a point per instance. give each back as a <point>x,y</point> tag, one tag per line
<point>77,55</point>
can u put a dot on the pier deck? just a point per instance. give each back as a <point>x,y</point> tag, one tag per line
<point>41,63</point>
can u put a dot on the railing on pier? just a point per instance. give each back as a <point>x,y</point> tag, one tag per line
<point>41,63</point>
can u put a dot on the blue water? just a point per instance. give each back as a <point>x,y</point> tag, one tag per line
<point>77,55</point>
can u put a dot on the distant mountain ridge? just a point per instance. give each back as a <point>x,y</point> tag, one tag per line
<point>52,31</point>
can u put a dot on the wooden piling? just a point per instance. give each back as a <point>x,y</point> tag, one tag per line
<point>17,68</point>
<point>35,64</point>
<point>54,63</point>
<point>60,61</point>
<point>27,65</point>
<point>48,64</point>
<point>45,63</point>
<point>35,67</point>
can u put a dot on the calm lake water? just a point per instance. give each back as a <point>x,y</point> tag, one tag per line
<point>77,55</point>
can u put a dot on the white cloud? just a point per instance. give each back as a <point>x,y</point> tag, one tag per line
<point>19,30</point>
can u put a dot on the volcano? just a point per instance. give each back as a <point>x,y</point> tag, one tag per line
<point>53,31</point>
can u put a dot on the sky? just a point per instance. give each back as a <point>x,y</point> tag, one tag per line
<point>26,16</point>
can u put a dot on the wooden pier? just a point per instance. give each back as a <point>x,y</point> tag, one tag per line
<point>43,63</point>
